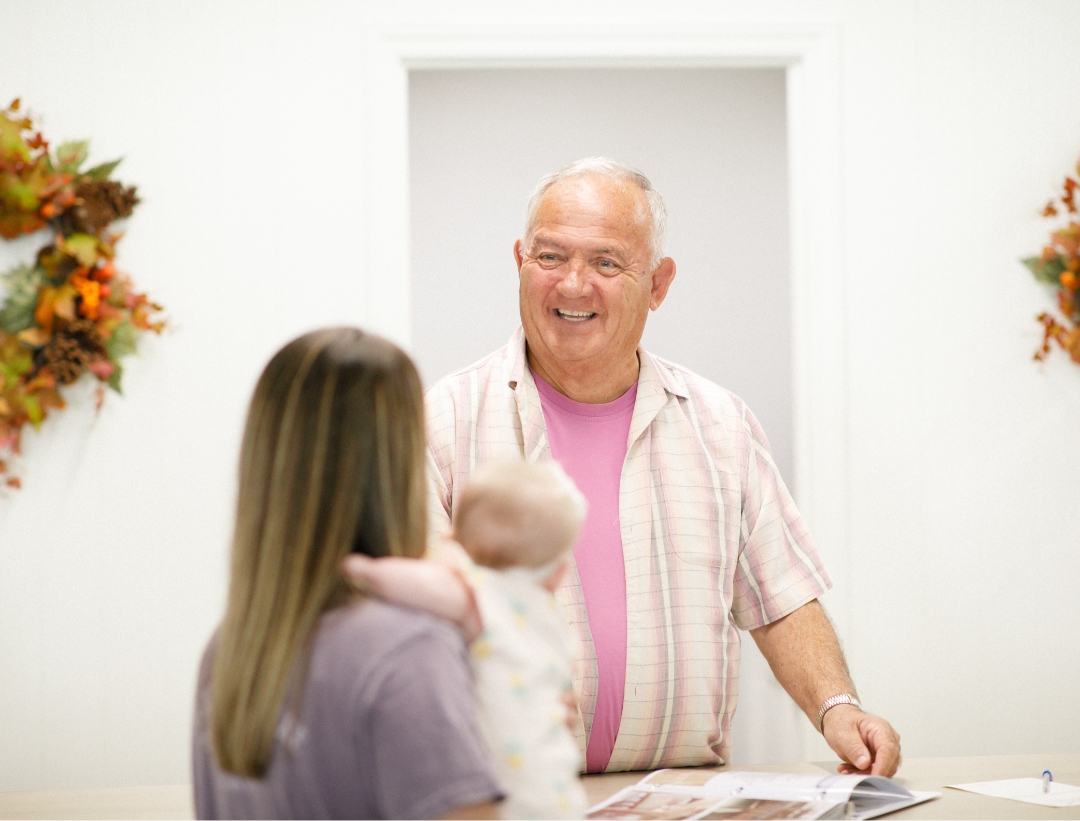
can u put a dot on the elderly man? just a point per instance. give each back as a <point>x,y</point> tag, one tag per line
<point>691,533</point>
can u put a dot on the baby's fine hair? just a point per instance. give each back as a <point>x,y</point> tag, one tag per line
<point>518,514</point>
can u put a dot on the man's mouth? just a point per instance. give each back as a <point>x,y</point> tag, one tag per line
<point>575,316</point>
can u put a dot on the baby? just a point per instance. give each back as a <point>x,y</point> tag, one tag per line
<point>518,522</point>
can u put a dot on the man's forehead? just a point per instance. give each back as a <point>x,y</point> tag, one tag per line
<point>596,192</point>
<point>592,209</point>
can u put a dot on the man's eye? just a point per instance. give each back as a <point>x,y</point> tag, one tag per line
<point>606,266</point>
<point>548,259</point>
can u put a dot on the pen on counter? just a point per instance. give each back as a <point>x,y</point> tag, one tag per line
<point>1047,778</point>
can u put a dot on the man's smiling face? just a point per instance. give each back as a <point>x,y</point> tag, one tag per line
<point>586,286</point>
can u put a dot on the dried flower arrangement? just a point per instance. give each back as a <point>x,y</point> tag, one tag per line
<point>1059,266</point>
<point>71,312</point>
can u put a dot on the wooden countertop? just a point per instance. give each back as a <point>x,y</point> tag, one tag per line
<point>174,801</point>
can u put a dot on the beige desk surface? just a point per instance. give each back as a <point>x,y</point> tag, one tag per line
<point>918,773</point>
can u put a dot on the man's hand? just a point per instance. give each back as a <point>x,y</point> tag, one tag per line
<point>866,744</point>
<point>805,656</point>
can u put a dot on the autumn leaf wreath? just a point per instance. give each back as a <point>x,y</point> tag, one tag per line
<point>71,311</point>
<point>1059,266</point>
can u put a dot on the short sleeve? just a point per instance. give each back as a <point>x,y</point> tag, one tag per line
<point>439,408</point>
<point>779,568</point>
<point>438,499</point>
<point>430,758</point>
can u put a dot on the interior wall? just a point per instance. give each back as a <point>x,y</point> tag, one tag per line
<point>113,556</point>
<point>240,123</point>
<point>713,142</point>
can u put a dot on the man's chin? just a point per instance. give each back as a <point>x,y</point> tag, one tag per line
<point>573,349</point>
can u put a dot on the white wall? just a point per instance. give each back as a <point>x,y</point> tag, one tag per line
<point>714,143</point>
<point>241,121</point>
<point>237,121</point>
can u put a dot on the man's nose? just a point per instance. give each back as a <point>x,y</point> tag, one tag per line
<point>575,283</point>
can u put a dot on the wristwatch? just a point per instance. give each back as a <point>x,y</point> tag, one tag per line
<point>834,701</point>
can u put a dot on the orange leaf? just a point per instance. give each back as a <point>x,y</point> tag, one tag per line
<point>64,306</point>
<point>43,314</point>
<point>44,381</point>
<point>35,337</point>
<point>1068,238</point>
<point>50,398</point>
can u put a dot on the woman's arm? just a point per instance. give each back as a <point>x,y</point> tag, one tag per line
<point>420,584</point>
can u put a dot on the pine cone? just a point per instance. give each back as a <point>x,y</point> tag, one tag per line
<point>86,335</point>
<point>71,349</point>
<point>64,359</point>
<point>99,203</point>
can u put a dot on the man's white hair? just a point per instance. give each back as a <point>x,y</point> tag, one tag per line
<point>603,166</point>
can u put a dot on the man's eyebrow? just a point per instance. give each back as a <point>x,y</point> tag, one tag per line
<point>547,243</point>
<point>606,250</point>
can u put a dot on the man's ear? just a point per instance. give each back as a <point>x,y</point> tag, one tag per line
<point>517,254</point>
<point>661,281</point>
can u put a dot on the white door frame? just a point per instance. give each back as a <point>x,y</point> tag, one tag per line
<point>810,54</point>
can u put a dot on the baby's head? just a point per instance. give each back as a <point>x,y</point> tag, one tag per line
<point>518,514</point>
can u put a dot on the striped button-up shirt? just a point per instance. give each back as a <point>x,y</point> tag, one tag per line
<point>712,540</point>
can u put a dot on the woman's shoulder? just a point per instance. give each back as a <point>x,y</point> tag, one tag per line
<point>369,632</point>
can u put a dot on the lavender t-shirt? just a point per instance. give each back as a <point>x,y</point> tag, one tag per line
<point>589,441</point>
<point>386,727</point>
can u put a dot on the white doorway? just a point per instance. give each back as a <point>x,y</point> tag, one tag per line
<point>714,143</point>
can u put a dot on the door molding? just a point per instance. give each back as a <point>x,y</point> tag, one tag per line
<point>810,55</point>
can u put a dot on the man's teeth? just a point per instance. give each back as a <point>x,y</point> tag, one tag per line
<point>575,316</point>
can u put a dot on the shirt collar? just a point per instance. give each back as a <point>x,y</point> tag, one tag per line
<point>658,375</point>
<point>657,383</point>
<point>653,375</point>
<point>517,364</point>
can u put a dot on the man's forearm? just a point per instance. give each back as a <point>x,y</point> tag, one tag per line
<point>805,656</point>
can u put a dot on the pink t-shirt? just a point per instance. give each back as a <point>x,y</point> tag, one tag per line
<point>589,441</point>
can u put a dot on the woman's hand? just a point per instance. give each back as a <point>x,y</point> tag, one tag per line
<point>570,702</point>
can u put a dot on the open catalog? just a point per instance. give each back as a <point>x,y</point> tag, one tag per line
<point>706,794</point>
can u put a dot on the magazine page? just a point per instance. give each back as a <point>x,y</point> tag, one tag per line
<point>806,786</point>
<point>642,802</point>
<point>765,808</point>
<point>645,803</point>
<point>677,794</point>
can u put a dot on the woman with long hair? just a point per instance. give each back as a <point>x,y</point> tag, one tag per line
<point>314,702</point>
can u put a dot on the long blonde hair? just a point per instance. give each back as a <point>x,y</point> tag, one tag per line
<point>332,461</point>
